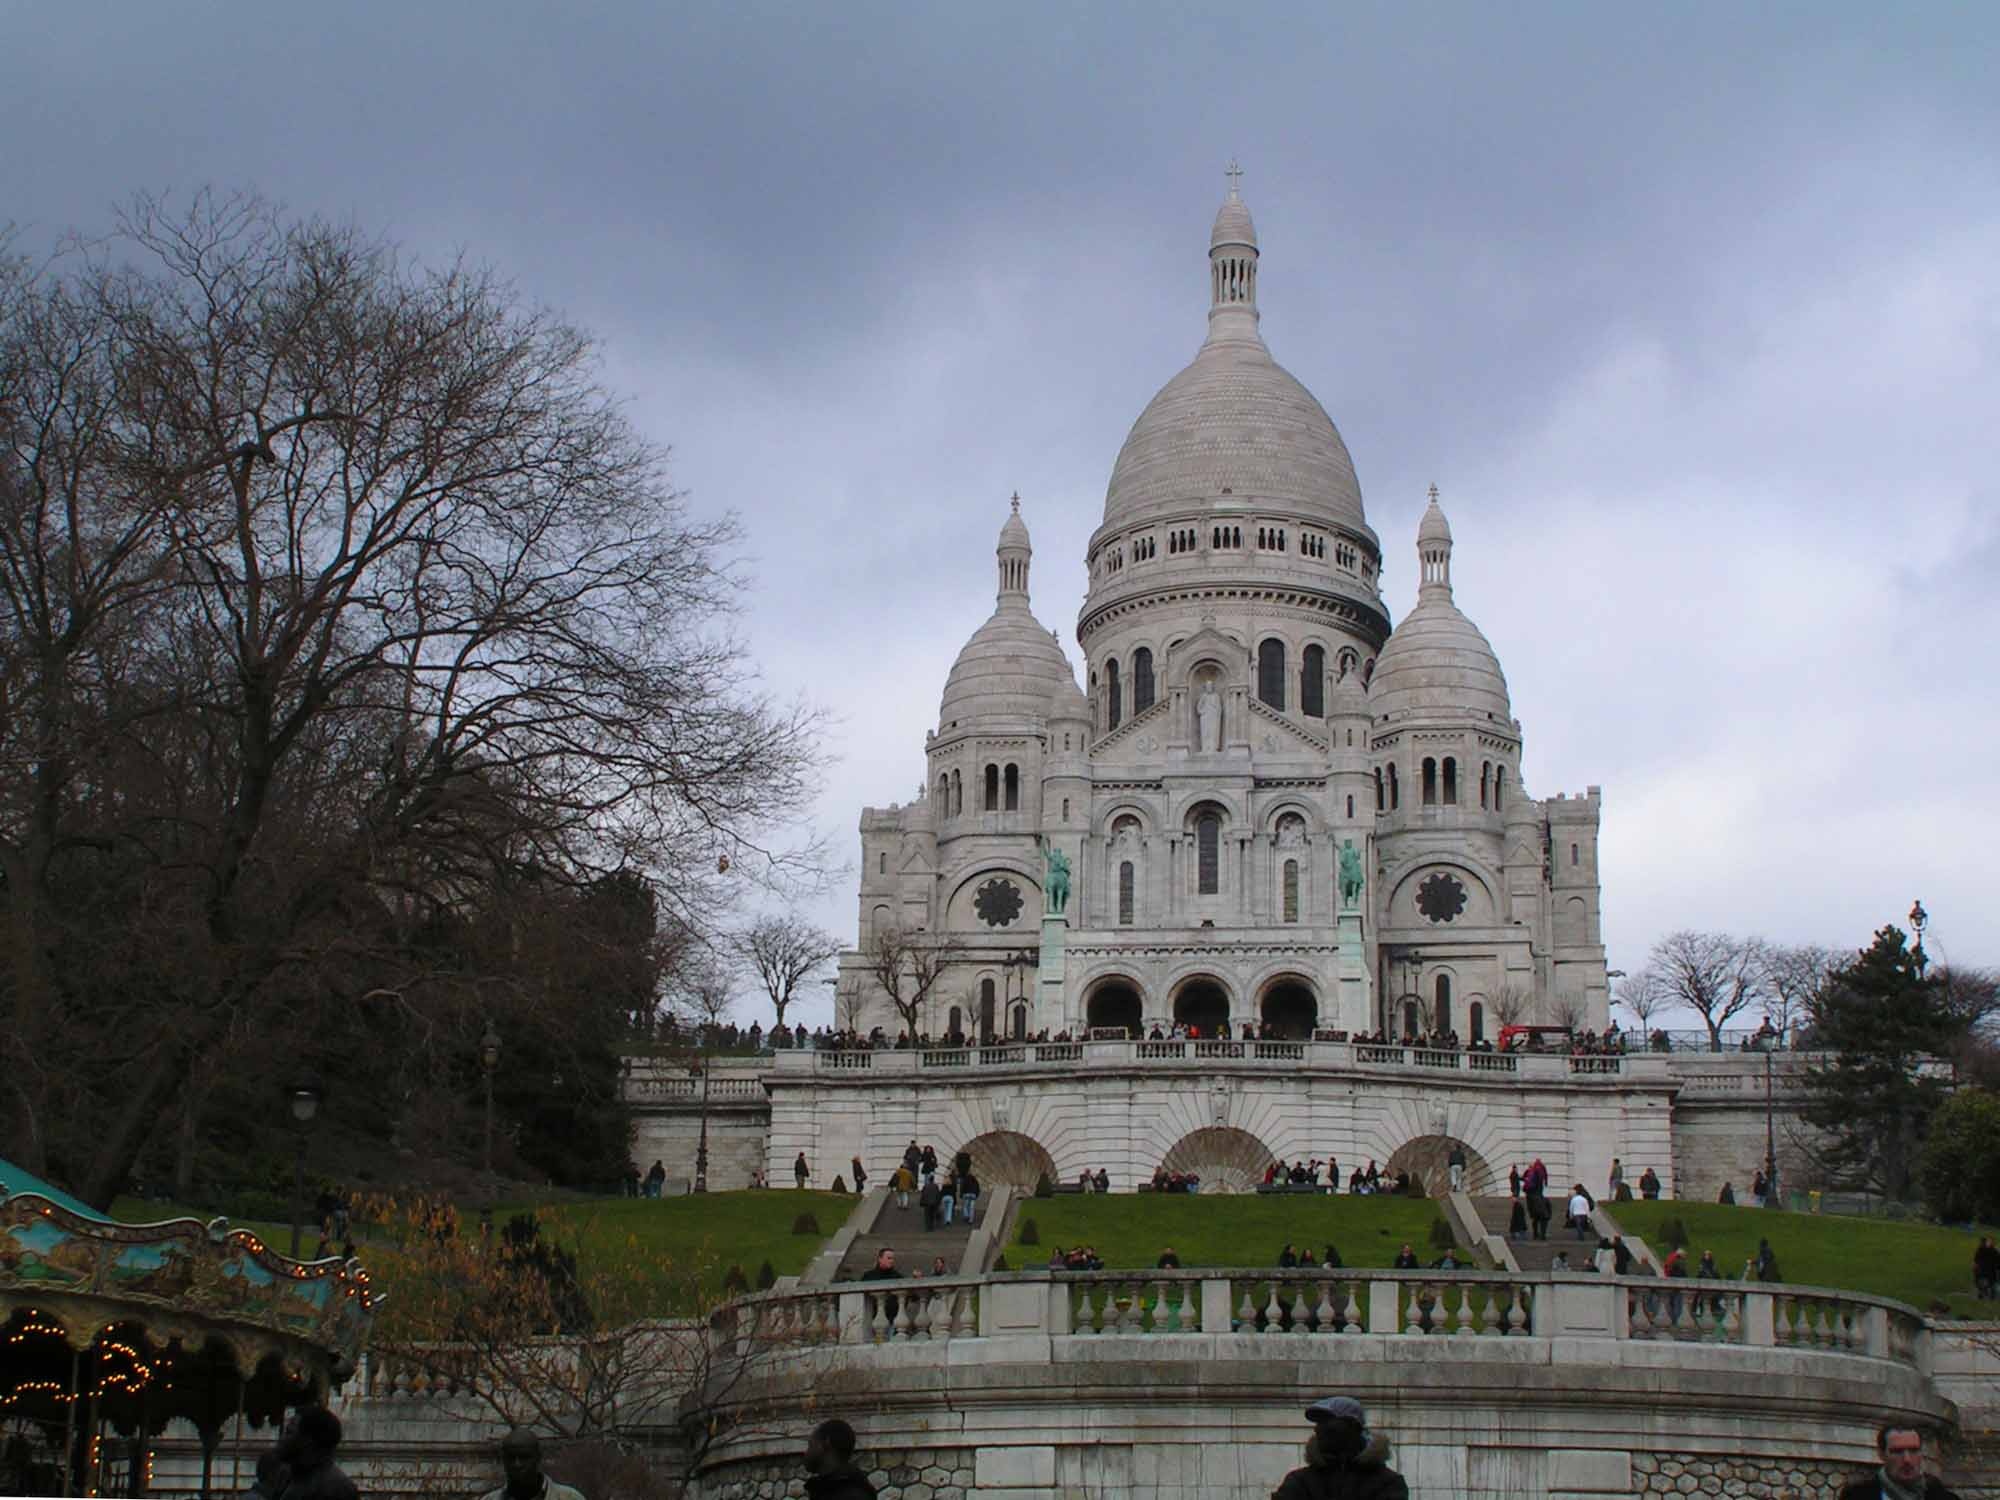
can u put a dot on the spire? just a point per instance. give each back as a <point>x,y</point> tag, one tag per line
<point>1434,550</point>
<point>1232,267</point>
<point>1013,554</point>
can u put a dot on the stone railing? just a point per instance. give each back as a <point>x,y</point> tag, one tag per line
<point>1241,1304</point>
<point>721,1090</point>
<point>1660,1069</point>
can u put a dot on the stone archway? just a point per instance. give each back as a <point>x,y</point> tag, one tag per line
<point>1226,1159</point>
<point>1115,1002</point>
<point>1291,1008</point>
<point>1202,1001</point>
<point>1428,1157</point>
<point>1007,1156</point>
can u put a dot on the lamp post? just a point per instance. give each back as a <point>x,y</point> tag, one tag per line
<point>701,1144</point>
<point>304,1099</point>
<point>1919,920</point>
<point>1767,1042</point>
<point>489,1064</point>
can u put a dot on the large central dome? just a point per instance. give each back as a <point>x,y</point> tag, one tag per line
<point>1234,421</point>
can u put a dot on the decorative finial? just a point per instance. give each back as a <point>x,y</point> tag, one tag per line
<point>1017,501</point>
<point>1434,494</point>
<point>1232,172</point>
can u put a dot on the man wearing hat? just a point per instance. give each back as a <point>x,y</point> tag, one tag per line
<point>1344,1460</point>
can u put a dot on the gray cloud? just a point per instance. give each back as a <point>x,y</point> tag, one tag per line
<point>1690,314</point>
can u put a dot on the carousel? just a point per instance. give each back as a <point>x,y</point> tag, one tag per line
<point>110,1331</point>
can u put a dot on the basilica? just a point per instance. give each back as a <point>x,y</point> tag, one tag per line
<point>1266,801</point>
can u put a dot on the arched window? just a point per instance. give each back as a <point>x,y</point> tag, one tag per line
<point>944,795</point>
<point>1409,1018</point>
<point>1485,783</point>
<point>1114,704</point>
<point>882,863</point>
<point>1450,781</point>
<point>1442,1022</point>
<point>1380,804</point>
<point>1126,884</point>
<point>1430,782</point>
<point>1312,683</point>
<point>1477,1022</point>
<point>1572,855</point>
<point>988,1015</point>
<point>1018,1027</point>
<point>1271,672</point>
<point>992,802</point>
<point>954,1023</point>
<point>1395,790</point>
<point>1499,786</point>
<point>1208,854</point>
<point>1142,680</point>
<point>957,794</point>
<point>1065,809</point>
<point>1350,805</point>
<point>1291,890</point>
<point>1013,787</point>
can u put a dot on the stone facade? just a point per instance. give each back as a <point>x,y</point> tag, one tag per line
<point>1759,1478</point>
<point>1246,713</point>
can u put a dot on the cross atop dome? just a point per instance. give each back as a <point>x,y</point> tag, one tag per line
<point>1234,173</point>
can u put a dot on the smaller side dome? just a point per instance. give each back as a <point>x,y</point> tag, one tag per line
<point>1068,702</point>
<point>1436,662</point>
<point>1012,667</point>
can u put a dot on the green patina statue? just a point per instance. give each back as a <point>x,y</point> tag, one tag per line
<point>1350,875</point>
<point>1058,884</point>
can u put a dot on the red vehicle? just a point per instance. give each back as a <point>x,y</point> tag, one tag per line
<point>1535,1039</point>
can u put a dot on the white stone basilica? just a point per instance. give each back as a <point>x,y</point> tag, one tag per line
<point>1249,714</point>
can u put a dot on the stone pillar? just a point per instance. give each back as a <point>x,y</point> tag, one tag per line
<point>1050,1005</point>
<point>1354,1002</point>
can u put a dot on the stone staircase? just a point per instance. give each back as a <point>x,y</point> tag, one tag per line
<point>1532,1254</point>
<point>902,1230</point>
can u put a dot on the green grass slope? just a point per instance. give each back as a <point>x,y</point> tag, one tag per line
<point>1131,1229</point>
<point>1914,1263</point>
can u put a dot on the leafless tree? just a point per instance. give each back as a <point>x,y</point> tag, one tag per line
<point>850,1002</point>
<point>1713,974</point>
<point>1972,996</point>
<point>908,966</point>
<point>1511,1003</point>
<point>784,952</point>
<point>335,597</point>
<point>1566,1009</point>
<point>1644,995</point>
<point>1795,979</point>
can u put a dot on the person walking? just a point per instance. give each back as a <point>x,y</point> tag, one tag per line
<point>968,1194</point>
<point>948,1198</point>
<point>1615,1181</point>
<point>1986,1270</point>
<point>1902,1475</point>
<point>1455,1165</point>
<point>905,1183</point>
<point>929,1196</point>
<point>831,1473</point>
<point>1344,1458</point>
<point>521,1462</point>
<point>860,1176</point>
<point>307,1451</point>
<point>800,1171</point>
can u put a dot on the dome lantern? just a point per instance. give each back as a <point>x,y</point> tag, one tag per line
<point>1232,267</point>
<point>1434,549</point>
<point>1014,554</point>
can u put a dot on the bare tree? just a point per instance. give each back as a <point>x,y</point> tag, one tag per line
<point>1795,981</point>
<point>784,952</point>
<point>1972,996</point>
<point>908,967</point>
<point>1715,975</point>
<point>850,1003</point>
<point>336,598</point>
<point>1511,1003</point>
<point>1644,995</point>
<point>1567,1010</point>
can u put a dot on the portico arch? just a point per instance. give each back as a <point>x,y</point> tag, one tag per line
<point>1429,1156</point>
<point>1007,1156</point>
<point>1115,1001</point>
<point>1227,1160</point>
<point>1291,1005</point>
<point>1202,1000</point>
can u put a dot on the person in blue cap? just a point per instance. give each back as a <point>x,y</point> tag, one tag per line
<point>1344,1460</point>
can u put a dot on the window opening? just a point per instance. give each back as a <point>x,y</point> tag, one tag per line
<point>1142,680</point>
<point>1430,782</point>
<point>1126,883</point>
<point>1013,787</point>
<point>1208,854</point>
<point>1271,672</point>
<point>1450,781</point>
<point>1312,682</point>
<point>1113,700</point>
<point>992,803</point>
<point>1291,890</point>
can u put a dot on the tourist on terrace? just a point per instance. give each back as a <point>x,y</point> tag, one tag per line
<point>1727,1197</point>
<point>800,1171</point>
<point>1986,1270</point>
<point>831,1473</point>
<point>968,1194</point>
<point>948,1199</point>
<point>1579,1212</point>
<point>1649,1185</point>
<point>1406,1258</point>
<point>1615,1182</point>
<point>1517,1218</point>
<point>928,1198</point>
<point>1288,1257</point>
<point>938,1266</point>
<point>884,1269</point>
<point>1514,1181</point>
<point>860,1176</point>
<point>1168,1261</point>
<point>1766,1262</point>
<point>307,1449</point>
<point>1331,1260</point>
<point>1901,1476</point>
<point>521,1462</point>
<point>904,1181</point>
<point>1102,1181</point>
<point>1535,1186</point>
<point>1455,1164</point>
<point>1344,1459</point>
<point>656,1179</point>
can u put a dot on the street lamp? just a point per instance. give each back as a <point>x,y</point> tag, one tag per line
<point>489,1064</point>
<point>1919,920</point>
<point>1767,1042</point>
<point>701,1145</point>
<point>304,1100</point>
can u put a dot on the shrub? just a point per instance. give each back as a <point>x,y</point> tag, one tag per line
<point>1674,1233</point>
<point>1031,1232</point>
<point>734,1282</point>
<point>1000,1263</point>
<point>806,1223</point>
<point>767,1277</point>
<point>1043,1187</point>
<point>840,1184</point>
<point>1441,1236</point>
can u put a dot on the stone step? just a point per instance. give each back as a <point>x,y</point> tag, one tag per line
<point>902,1230</point>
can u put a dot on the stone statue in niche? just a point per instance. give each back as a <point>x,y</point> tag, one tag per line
<point>1208,719</point>
<point>1291,834</point>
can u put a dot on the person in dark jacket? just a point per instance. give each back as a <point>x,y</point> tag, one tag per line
<point>1344,1461</point>
<point>521,1462</point>
<point>830,1470</point>
<point>1901,1476</point>
<point>307,1450</point>
<point>272,1476</point>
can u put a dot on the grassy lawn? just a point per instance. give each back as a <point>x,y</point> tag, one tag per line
<point>1130,1229</point>
<point>1914,1263</point>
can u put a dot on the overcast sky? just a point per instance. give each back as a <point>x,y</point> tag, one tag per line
<point>1691,312</point>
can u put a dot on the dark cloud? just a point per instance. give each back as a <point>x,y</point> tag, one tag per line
<point>1689,311</point>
